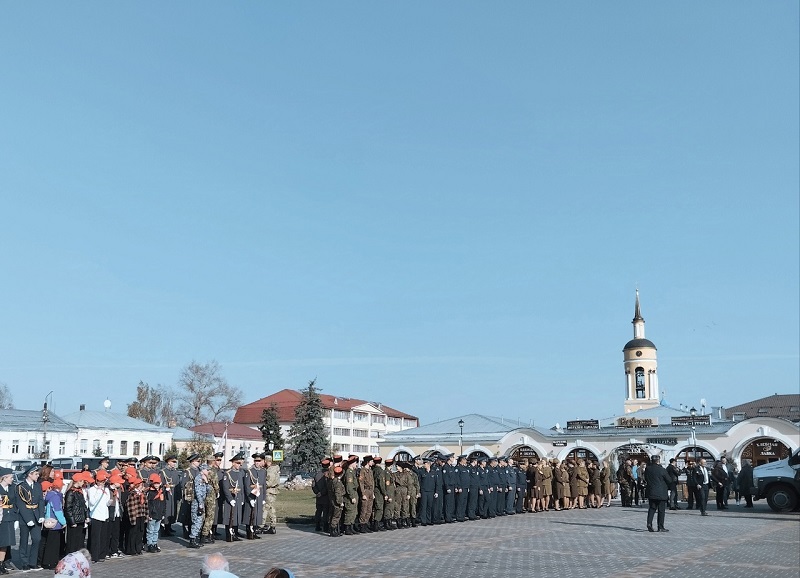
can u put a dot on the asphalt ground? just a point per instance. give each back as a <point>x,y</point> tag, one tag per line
<point>611,541</point>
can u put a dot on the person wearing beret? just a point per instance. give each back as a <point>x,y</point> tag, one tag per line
<point>350,495</point>
<point>29,501</point>
<point>232,496</point>
<point>366,490</point>
<point>390,492</point>
<point>337,502</point>
<point>76,513</point>
<point>379,480</point>
<point>319,486</point>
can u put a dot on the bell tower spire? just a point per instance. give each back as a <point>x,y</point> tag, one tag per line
<point>641,365</point>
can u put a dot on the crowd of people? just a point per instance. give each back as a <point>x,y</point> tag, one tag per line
<point>369,494</point>
<point>124,510</point>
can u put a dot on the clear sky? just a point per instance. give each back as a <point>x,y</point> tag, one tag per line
<point>444,207</point>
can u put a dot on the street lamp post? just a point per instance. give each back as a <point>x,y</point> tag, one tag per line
<point>461,437</point>
<point>45,454</point>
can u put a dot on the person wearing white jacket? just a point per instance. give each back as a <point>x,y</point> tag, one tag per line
<point>98,498</point>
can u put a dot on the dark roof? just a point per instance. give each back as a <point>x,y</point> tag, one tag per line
<point>286,400</point>
<point>638,344</point>
<point>786,406</point>
<point>235,430</point>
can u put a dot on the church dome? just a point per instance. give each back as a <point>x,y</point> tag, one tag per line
<point>638,344</point>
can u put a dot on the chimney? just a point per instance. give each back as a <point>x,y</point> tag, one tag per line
<point>83,407</point>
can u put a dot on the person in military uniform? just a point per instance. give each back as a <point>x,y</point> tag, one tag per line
<point>213,506</point>
<point>625,481</point>
<point>380,494</point>
<point>350,495</point>
<point>438,501</point>
<point>254,485</point>
<point>511,488</point>
<point>414,495</point>
<point>390,495</point>
<point>366,488</point>
<point>605,484</point>
<point>187,492</point>
<point>337,502</point>
<point>547,484</point>
<point>320,486</point>
<point>232,496</point>
<point>428,488</point>
<point>172,480</point>
<point>270,518</point>
<point>449,479</point>
<point>522,486</point>
<point>582,482</point>
<point>201,489</point>
<point>29,500</point>
<point>8,536</point>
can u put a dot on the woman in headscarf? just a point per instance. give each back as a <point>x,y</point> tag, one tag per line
<point>76,512</point>
<point>53,538</point>
<point>74,565</point>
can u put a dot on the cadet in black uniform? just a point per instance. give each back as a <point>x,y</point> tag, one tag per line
<point>462,488</point>
<point>474,489</point>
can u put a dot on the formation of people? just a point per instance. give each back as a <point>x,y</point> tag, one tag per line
<point>360,495</point>
<point>124,510</point>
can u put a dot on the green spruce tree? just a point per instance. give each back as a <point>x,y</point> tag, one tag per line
<point>308,437</point>
<point>271,429</point>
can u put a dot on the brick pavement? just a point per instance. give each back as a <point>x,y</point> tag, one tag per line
<point>573,544</point>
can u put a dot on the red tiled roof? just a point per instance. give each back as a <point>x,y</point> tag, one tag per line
<point>786,406</point>
<point>235,430</point>
<point>286,400</point>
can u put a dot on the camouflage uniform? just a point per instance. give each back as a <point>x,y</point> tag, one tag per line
<point>270,517</point>
<point>211,502</point>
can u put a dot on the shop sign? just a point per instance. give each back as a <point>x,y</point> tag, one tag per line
<point>526,453</point>
<point>691,420</point>
<point>663,441</point>
<point>625,422</point>
<point>560,443</point>
<point>583,424</point>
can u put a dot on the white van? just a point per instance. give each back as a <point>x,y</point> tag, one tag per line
<point>779,483</point>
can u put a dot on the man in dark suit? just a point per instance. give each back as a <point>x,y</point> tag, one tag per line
<point>720,477</point>
<point>30,511</point>
<point>702,478</point>
<point>657,481</point>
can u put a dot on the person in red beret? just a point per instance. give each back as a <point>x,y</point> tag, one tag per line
<point>76,513</point>
<point>97,496</point>
<point>52,536</point>
<point>337,502</point>
<point>156,511</point>
<point>136,508</point>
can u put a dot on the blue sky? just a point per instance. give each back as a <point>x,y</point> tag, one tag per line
<point>442,207</point>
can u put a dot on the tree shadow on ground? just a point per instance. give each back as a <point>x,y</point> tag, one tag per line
<point>626,528</point>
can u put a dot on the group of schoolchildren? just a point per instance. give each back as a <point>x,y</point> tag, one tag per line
<point>112,513</point>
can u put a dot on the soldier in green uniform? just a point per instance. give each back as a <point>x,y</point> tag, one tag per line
<point>273,480</point>
<point>211,510</point>
<point>337,498</point>
<point>366,488</point>
<point>390,494</point>
<point>350,495</point>
<point>414,495</point>
<point>403,484</point>
<point>380,494</point>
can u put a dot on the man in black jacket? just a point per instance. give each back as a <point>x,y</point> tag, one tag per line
<point>657,481</point>
<point>673,472</point>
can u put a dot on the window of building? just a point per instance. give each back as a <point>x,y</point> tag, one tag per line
<point>763,410</point>
<point>341,431</point>
<point>15,446</point>
<point>123,448</point>
<point>136,448</point>
<point>162,448</point>
<point>374,449</point>
<point>149,448</point>
<point>95,445</point>
<point>62,448</point>
<point>359,448</point>
<point>84,446</point>
<point>341,447</point>
<point>374,434</point>
<point>110,447</point>
<point>639,383</point>
<point>409,423</point>
<point>395,421</point>
<point>358,416</point>
<point>360,433</point>
<point>794,408</point>
<point>378,418</point>
<point>339,414</point>
<point>46,448</point>
<point>31,446</point>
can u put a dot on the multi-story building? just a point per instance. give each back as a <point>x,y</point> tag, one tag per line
<point>31,435</point>
<point>355,426</point>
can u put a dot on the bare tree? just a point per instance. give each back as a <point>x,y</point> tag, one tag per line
<point>205,395</point>
<point>153,404</point>
<point>6,399</point>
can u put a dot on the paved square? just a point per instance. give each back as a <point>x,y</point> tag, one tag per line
<point>573,544</point>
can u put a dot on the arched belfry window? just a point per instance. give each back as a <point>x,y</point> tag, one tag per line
<point>639,383</point>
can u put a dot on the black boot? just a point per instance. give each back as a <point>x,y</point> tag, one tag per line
<point>271,530</point>
<point>228,534</point>
<point>3,569</point>
<point>348,530</point>
<point>193,543</point>
<point>382,526</point>
<point>254,533</point>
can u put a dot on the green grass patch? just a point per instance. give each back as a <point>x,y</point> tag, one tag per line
<point>295,506</point>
